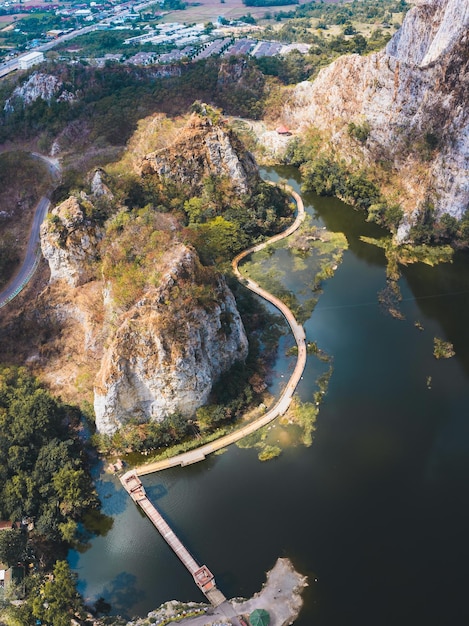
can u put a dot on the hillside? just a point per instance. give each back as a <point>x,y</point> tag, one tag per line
<point>23,179</point>
<point>132,320</point>
<point>401,110</point>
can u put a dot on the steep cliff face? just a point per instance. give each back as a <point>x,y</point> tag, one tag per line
<point>39,86</point>
<point>170,347</point>
<point>69,243</point>
<point>203,148</point>
<point>155,327</point>
<point>412,95</point>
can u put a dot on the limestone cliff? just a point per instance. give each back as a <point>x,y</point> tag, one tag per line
<point>69,243</point>
<point>170,347</point>
<point>413,96</point>
<point>154,328</point>
<point>203,148</point>
<point>39,86</point>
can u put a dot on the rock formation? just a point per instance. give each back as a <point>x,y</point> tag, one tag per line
<point>413,96</point>
<point>39,85</point>
<point>170,347</point>
<point>203,148</point>
<point>160,350</point>
<point>69,243</point>
<point>281,595</point>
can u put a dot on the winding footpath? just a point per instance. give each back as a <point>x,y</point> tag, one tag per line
<point>33,251</point>
<point>282,404</point>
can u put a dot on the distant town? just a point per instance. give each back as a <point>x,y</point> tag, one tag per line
<point>138,31</point>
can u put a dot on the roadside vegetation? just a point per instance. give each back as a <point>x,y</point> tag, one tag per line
<point>23,180</point>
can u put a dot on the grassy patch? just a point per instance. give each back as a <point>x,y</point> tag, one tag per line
<point>442,349</point>
<point>304,415</point>
<point>269,452</point>
<point>311,253</point>
<point>397,255</point>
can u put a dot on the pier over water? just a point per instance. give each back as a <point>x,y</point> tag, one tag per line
<point>203,577</point>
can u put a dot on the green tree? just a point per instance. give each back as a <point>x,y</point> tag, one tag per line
<point>393,215</point>
<point>218,239</point>
<point>324,176</point>
<point>58,599</point>
<point>72,487</point>
<point>196,210</point>
<point>349,29</point>
<point>12,546</point>
<point>447,228</point>
<point>359,131</point>
<point>40,463</point>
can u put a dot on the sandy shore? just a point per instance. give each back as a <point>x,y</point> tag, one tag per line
<point>280,596</point>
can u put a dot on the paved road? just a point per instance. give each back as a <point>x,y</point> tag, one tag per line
<point>284,401</point>
<point>12,64</point>
<point>33,251</point>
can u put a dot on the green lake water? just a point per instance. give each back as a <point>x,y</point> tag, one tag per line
<point>376,509</point>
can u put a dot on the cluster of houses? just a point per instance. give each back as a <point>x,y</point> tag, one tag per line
<point>198,43</point>
<point>194,43</point>
<point>9,575</point>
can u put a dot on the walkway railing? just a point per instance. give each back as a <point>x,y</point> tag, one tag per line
<point>281,406</point>
<point>203,577</point>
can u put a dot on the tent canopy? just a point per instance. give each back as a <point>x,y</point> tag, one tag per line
<point>259,617</point>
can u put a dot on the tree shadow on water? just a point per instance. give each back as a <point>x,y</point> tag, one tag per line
<point>156,492</point>
<point>122,594</point>
<point>114,498</point>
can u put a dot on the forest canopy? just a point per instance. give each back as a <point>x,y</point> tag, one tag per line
<point>43,474</point>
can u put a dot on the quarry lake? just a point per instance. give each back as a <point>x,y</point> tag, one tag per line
<point>376,509</point>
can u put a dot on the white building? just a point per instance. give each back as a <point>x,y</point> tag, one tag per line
<point>33,58</point>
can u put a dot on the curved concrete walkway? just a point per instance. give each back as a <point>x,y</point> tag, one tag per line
<point>282,404</point>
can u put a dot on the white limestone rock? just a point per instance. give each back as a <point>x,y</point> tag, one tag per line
<point>39,86</point>
<point>166,355</point>
<point>69,243</point>
<point>98,186</point>
<point>417,85</point>
<point>203,148</point>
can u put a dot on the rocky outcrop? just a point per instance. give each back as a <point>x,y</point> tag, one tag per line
<point>39,85</point>
<point>69,243</point>
<point>98,186</point>
<point>161,346</point>
<point>203,148</point>
<point>413,96</point>
<point>170,347</point>
<point>280,596</point>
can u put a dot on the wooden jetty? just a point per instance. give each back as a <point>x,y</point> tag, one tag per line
<point>203,577</point>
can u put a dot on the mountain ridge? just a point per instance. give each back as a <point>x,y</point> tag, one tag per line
<point>410,97</point>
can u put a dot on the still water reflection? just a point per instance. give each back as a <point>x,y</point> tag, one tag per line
<point>376,509</point>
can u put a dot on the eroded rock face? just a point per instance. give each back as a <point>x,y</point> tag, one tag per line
<point>414,91</point>
<point>203,148</point>
<point>169,348</point>
<point>69,243</point>
<point>39,85</point>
